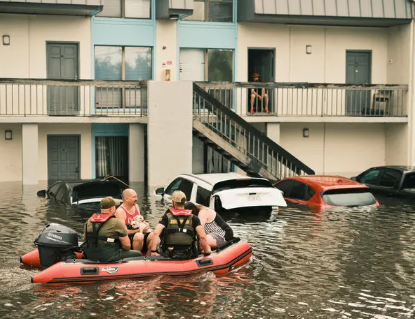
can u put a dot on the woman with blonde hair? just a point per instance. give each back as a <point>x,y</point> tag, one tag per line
<point>217,230</point>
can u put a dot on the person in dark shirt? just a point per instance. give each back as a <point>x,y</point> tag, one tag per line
<point>179,231</point>
<point>258,97</point>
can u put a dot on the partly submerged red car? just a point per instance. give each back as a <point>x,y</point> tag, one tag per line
<point>326,191</point>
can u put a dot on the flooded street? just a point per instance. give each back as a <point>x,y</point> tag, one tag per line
<point>356,263</point>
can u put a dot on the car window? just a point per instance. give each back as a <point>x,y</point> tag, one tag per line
<point>370,177</point>
<point>62,192</point>
<point>409,181</point>
<point>348,197</point>
<point>240,183</point>
<point>53,189</point>
<point>298,190</point>
<point>285,187</point>
<point>202,196</point>
<point>390,178</point>
<point>186,187</point>
<point>310,192</point>
<point>173,186</point>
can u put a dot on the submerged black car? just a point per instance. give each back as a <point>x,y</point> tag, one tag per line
<point>389,180</point>
<point>84,192</point>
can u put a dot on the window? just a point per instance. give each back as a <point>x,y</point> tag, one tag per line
<point>203,196</point>
<point>309,193</point>
<point>369,177</point>
<point>212,11</point>
<point>186,187</point>
<point>62,193</point>
<point>111,156</point>
<point>349,197</point>
<point>390,178</point>
<point>122,63</point>
<point>285,187</point>
<point>173,186</point>
<point>53,190</point>
<point>139,9</point>
<point>297,190</point>
<point>241,183</point>
<point>409,181</point>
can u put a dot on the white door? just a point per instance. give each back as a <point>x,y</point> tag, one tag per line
<point>192,65</point>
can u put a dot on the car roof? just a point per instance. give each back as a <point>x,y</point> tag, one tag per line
<point>209,180</point>
<point>326,182</point>
<point>402,168</point>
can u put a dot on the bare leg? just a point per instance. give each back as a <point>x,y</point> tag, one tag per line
<point>252,104</point>
<point>266,103</point>
<point>138,241</point>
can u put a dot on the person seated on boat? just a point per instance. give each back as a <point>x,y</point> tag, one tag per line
<point>179,232</point>
<point>105,236</point>
<point>218,232</point>
<point>127,212</point>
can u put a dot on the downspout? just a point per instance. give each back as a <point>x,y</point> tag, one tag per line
<point>410,99</point>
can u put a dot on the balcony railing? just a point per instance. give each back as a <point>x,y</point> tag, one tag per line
<point>39,97</point>
<point>310,99</point>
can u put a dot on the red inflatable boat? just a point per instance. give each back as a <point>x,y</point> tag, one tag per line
<point>83,270</point>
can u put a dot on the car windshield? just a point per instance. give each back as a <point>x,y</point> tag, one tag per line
<point>349,197</point>
<point>241,183</point>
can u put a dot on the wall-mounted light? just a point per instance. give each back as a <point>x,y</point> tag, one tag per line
<point>8,135</point>
<point>308,49</point>
<point>306,132</point>
<point>174,17</point>
<point>6,39</point>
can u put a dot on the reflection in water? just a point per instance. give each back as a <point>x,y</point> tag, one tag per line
<point>339,263</point>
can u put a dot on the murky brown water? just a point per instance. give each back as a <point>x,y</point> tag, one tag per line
<point>339,264</point>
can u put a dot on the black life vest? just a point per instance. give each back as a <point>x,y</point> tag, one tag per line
<point>179,240</point>
<point>98,220</point>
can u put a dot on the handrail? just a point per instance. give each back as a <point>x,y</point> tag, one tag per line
<point>282,153</point>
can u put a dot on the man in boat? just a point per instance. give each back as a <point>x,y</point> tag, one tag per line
<point>105,236</point>
<point>126,212</point>
<point>179,232</point>
<point>218,232</point>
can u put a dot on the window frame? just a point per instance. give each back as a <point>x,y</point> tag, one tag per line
<point>122,7</point>
<point>377,180</point>
<point>386,170</point>
<point>206,12</point>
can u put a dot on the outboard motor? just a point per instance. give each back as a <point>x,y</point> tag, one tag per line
<point>56,243</point>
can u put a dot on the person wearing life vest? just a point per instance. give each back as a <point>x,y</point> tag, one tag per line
<point>179,232</point>
<point>105,236</point>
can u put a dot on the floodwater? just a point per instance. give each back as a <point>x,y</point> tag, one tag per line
<point>356,263</point>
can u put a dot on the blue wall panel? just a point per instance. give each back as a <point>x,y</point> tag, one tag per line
<point>207,35</point>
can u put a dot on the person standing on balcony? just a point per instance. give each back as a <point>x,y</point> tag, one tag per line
<point>126,212</point>
<point>258,96</point>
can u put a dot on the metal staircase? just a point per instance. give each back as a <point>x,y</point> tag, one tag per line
<point>240,142</point>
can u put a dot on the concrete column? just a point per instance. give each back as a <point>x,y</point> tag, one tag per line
<point>136,153</point>
<point>30,154</point>
<point>169,132</point>
<point>274,132</point>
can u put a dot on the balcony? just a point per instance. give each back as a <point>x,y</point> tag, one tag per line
<point>281,102</point>
<point>72,98</point>
<point>53,7</point>
<point>374,13</point>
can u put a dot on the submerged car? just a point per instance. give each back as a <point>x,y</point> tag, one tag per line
<point>225,191</point>
<point>389,180</point>
<point>84,192</point>
<point>326,191</point>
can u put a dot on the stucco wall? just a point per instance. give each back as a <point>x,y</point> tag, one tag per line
<point>166,49</point>
<point>335,148</point>
<point>26,54</point>
<point>84,130</point>
<point>11,154</point>
<point>327,63</point>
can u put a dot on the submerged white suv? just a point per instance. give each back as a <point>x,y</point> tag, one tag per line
<point>225,191</point>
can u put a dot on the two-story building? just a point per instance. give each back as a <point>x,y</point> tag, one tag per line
<point>103,88</point>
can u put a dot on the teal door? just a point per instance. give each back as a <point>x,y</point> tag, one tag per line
<point>63,157</point>
<point>358,71</point>
<point>62,63</point>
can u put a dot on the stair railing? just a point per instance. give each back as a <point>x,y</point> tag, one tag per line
<point>261,150</point>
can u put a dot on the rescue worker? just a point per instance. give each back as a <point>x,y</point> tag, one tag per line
<point>105,236</point>
<point>179,232</point>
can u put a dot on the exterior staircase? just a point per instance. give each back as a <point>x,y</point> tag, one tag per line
<point>240,142</point>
